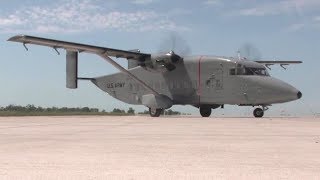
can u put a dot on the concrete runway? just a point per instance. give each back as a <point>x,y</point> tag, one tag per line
<point>33,148</point>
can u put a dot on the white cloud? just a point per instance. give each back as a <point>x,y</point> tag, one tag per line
<point>281,7</point>
<point>142,1</point>
<point>304,8</point>
<point>317,18</point>
<point>81,16</point>
<point>313,23</point>
<point>11,20</point>
<point>212,2</point>
<point>316,22</point>
<point>296,27</point>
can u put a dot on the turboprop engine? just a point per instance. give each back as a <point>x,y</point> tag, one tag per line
<point>163,62</point>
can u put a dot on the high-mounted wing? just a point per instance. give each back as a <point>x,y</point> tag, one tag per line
<point>281,63</point>
<point>56,44</point>
<point>72,56</point>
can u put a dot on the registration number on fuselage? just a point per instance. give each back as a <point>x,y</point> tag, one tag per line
<point>115,85</point>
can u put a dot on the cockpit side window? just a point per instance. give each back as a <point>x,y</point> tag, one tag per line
<point>257,71</point>
<point>249,71</point>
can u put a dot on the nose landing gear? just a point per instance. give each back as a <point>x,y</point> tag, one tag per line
<point>258,112</point>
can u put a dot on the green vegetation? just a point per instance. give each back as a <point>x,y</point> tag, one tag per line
<point>130,111</point>
<point>31,110</point>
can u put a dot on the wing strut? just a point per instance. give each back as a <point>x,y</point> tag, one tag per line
<point>120,68</point>
<point>25,46</point>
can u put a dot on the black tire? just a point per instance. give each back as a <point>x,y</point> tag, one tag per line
<point>155,112</point>
<point>258,113</point>
<point>205,111</point>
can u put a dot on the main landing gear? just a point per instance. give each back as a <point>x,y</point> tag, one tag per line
<point>155,112</point>
<point>258,112</point>
<point>205,111</point>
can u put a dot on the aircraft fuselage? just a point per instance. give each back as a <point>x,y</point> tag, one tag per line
<point>203,80</point>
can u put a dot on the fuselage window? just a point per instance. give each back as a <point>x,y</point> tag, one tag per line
<point>232,71</point>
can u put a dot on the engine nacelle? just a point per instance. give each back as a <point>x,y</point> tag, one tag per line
<point>163,62</point>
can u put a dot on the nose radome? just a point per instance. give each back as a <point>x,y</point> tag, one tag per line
<point>299,95</point>
<point>282,91</point>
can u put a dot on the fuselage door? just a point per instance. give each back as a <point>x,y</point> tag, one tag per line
<point>211,81</point>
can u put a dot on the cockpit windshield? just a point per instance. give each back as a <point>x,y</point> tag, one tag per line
<point>243,70</point>
<point>256,71</point>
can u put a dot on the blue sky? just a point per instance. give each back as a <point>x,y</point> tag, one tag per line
<point>283,30</point>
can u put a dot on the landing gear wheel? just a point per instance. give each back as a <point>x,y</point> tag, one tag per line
<point>155,112</point>
<point>258,113</point>
<point>205,111</point>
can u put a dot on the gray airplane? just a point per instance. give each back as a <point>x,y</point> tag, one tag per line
<point>159,81</point>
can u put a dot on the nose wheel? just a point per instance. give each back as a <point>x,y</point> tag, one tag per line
<point>258,113</point>
<point>155,112</point>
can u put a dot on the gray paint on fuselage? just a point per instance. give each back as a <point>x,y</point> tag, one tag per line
<point>207,84</point>
<point>180,85</point>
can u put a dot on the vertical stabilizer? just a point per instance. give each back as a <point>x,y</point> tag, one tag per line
<point>72,69</point>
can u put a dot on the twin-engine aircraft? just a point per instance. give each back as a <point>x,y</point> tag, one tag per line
<point>159,81</point>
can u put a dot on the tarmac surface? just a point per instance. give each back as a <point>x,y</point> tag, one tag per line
<point>94,147</point>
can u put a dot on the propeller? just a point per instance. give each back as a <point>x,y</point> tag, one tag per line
<point>249,52</point>
<point>175,44</point>
<point>174,57</point>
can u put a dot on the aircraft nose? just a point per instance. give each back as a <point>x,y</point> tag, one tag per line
<point>280,91</point>
<point>290,93</point>
<point>299,94</point>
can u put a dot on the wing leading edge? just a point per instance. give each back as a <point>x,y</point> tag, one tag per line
<point>56,44</point>
<point>279,62</point>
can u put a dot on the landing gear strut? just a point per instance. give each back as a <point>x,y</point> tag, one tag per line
<point>258,112</point>
<point>155,112</point>
<point>205,111</point>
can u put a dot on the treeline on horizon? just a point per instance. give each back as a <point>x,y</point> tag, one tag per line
<point>32,110</point>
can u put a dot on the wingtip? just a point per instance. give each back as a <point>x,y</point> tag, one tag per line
<point>16,38</point>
